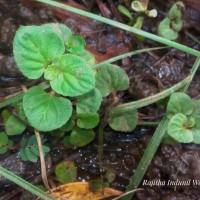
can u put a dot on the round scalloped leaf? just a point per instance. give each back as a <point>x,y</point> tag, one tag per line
<point>179,102</point>
<point>165,30</point>
<point>111,78</point>
<point>66,172</point>
<point>81,137</point>
<point>177,129</point>
<point>44,111</point>
<point>75,44</point>
<point>3,139</point>
<point>125,122</point>
<point>87,120</point>
<point>87,57</point>
<point>89,102</point>
<point>70,76</point>
<point>34,48</point>
<point>61,29</point>
<point>13,125</point>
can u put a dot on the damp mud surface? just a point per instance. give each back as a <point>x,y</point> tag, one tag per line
<point>174,173</point>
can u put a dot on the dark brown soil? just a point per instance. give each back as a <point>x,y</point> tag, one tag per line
<point>149,73</point>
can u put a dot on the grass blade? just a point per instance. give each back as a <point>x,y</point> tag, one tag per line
<point>24,184</point>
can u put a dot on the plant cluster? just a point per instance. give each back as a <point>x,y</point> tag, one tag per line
<point>77,90</point>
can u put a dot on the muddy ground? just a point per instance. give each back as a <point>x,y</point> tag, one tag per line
<point>149,73</point>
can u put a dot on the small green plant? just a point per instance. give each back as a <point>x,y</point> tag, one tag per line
<point>170,26</point>
<point>29,150</point>
<point>140,6</point>
<point>71,105</point>
<point>184,124</point>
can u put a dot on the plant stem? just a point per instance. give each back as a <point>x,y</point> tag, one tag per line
<point>116,58</point>
<point>122,26</point>
<point>42,161</point>
<point>120,109</point>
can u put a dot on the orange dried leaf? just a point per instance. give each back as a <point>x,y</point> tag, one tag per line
<point>80,191</point>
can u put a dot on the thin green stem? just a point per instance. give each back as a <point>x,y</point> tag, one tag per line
<point>122,26</point>
<point>120,109</point>
<point>116,58</point>
<point>19,96</point>
<point>24,184</point>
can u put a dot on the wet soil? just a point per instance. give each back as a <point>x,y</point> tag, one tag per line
<point>149,73</point>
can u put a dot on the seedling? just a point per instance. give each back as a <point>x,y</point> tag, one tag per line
<point>184,124</point>
<point>140,7</point>
<point>51,51</point>
<point>171,25</point>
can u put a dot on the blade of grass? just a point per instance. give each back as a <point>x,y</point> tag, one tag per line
<point>154,144</point>
<point>24,184</point>
<point>122,26</point>
<point>19,96</point>
<point>116,58</point>
<point>122,108</point>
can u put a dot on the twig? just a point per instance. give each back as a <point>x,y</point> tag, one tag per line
<point>42,161</point>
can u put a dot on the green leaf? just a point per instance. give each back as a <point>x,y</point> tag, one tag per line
<point>87,120</point>
<point>66,172</point>
<point>30,155</point>
<point>196,130</point>
<point>70,76</point>
<point>75,44</point>
<point>175,11</point>
<point>3,139</point>
<point>177,25</point>
<point>177,129</point>
<point>124,11</point>
<point>22,154</point>
<point>44,111</point>
<point>81,137</point>
<point>111,78</point>
<point>196,108</point>
<point>60,29</point>
<point>67,143</point>
<point>164,30</point>
<point>68,126</point>
<point>34,48</point>
<point>89,102</point>
<point>3,150</point>
<point>125,122</point>
<point>13,125</point>
<point>87,57</point>
<point>179,103</point>
<point>138,6</point>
